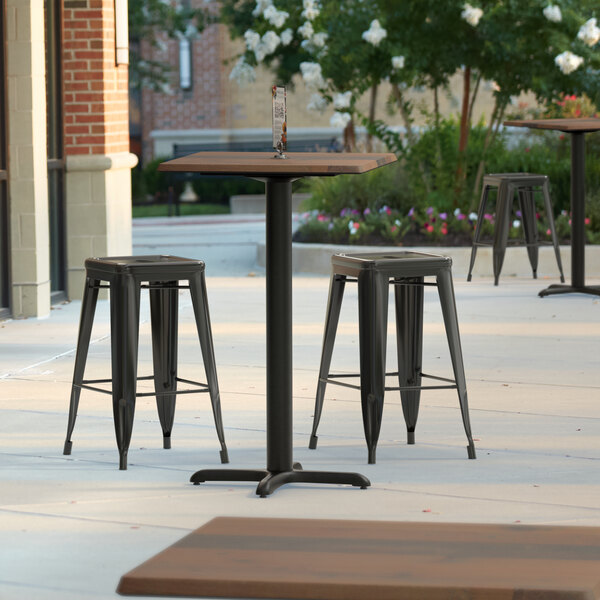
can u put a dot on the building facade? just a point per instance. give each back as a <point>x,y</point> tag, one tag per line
<point>65,185</point>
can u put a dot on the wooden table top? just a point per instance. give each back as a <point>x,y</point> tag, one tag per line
<point>567,125</point>
<point>264,164</point>
<point>359,560</point>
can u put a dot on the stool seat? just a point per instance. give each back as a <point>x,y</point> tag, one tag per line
<point>508,184</point>
<point>374,272</point>
<point>125,275</point>
<point>157,266</point>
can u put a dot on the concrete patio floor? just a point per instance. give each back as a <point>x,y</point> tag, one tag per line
<point>72,525</point>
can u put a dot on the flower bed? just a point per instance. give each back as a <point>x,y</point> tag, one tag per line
<point>429,227</point>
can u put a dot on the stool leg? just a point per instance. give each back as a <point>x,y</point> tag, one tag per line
<point>550,213</point>
<point>124,326</point>
<point>409,339</point>
<point>86,320</point>
<point>334,304</point>
<point>448,303</point>
<point>164,305</point>
<point>373,291</point>
<point>477,235</point>
<point>199,300</point>
<point>503,211</point>
<point>527,204</point>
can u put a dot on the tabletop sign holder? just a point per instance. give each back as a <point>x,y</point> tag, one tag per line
<point>279,121</point>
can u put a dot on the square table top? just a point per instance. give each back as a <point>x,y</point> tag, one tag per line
<point>264,164</point>
<point>354,560</point>
<point>566,125</point>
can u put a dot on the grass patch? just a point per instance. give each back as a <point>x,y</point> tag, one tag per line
<point>185,209</point>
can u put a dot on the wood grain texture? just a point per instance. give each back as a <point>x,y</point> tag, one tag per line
<point>567,125</point>
<point>363,560</point>
<point>264,164</point>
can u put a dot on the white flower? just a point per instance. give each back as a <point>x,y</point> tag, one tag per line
<point>311,9</point>
<point>471,14</point>
<point>516,223</point>
<point>319,39</point>
<point>375,33</point>
<point>252,39</point>
<point>552,13</point>
<point>261,5</point>
<point>473,216</point>
<point>342,100</point>
<point>316,103</point>
<point>306,30</point>
<point>286,37</point>
<point>398,62</point>
<point>242,72</point>
<point>275,17</point>
<point>312,74</point>
<point>340,119</point>
<point>271,40</point>
<point>495,87</point>
<point>589,32</point>
<point>568,62</point>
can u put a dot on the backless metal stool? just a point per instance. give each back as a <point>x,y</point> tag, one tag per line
<point>507,184</point>
<point>374,273</point>
<point>125,275</point>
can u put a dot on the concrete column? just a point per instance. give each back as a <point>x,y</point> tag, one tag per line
<point>28,176</point>
<point>98,211</point>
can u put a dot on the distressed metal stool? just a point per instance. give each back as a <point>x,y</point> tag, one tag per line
<point>374,272</point>
<point>125,275</point>
<point>507,184</point>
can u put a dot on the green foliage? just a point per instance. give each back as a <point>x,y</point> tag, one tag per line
<point>372,190</point>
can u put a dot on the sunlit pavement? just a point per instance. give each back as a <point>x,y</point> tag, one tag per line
<point>72,525</point>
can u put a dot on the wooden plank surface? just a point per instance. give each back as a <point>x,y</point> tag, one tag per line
<point>374,560</point>
<point>264,164</point>
<point>567,125</point>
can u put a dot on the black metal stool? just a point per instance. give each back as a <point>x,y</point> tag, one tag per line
<point>374,273</point>
<point>125,275</point>
<point>507,184</point>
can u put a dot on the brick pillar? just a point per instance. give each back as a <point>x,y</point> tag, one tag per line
<point>28,183</point>
<point>98,161</point>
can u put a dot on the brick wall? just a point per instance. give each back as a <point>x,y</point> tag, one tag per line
<point>96,95</point>
<point>201,107</point>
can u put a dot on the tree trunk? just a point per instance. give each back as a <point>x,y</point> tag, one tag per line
<point>349,137</point>
<point>372,107</point>
<point>464,134</point>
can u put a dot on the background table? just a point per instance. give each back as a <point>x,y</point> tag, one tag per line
<point>278,174</point>
<point>577,128</point>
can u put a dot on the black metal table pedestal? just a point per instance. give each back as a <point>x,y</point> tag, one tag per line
<point>577,224</point>
<point>280,466</point>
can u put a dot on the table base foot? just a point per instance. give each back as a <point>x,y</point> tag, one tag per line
<point>269,481</point>
<point>570,289</point>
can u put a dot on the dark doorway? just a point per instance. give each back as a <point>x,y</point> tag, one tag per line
<point>56,162</point>
<point>4,230</point>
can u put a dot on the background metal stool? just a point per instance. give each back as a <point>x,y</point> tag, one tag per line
<point>507,184</point>
<point>125,275</point>
<point>374,273</point>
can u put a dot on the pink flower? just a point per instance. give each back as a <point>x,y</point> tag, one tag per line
<point>429,228</point>
<point>587,221</point>
<point>548,232</point>
<point>394,228</point>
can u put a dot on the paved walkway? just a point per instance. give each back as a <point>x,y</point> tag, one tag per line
<point>71,526</point>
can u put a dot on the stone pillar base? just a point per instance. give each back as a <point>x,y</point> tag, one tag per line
<point>98,200</point>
